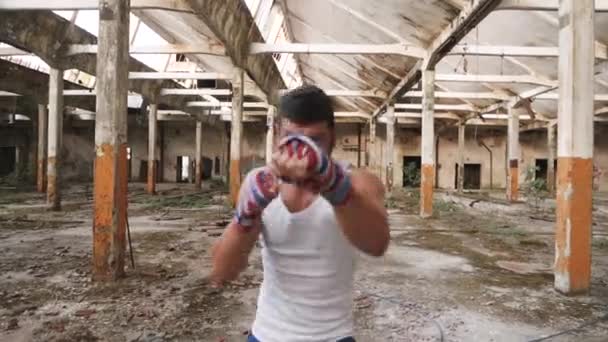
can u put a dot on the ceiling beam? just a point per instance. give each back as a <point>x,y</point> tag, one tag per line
<point>167,49</point>
<point>233,25</point>
<point>518,79</point>
<point>71,5</point>
<point>200,92</point>
<point>34,84</point>
<point>543,5</point>
<point>513,51</point>
<point>46,34</point>
<point>460,95</point>
<point>452,107</point>
<point>210,104</point>
<point>342,49</point>
<point>472,14</point>
<point>143,75</point>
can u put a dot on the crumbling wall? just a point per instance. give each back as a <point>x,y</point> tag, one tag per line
<point>474,153</point>
<point>533,146</point>
<point>347,143</point>
<point>78,151</point>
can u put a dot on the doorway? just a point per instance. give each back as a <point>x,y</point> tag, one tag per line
<point>472,176</point>
<point>8,157</point>
<point>542,166</point>
<point>411,171</point>
<point>184,169</point>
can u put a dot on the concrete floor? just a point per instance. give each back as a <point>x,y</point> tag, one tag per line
<point>469,274</point>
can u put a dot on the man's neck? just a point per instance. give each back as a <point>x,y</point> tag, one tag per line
<point>296,198</point>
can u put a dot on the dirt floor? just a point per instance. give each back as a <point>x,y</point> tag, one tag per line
<point>480,270</point>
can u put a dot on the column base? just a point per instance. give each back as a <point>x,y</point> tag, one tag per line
<point>110,213</point>
<point>427,179</point>
<point>573,228</point>
<point>513,186</point>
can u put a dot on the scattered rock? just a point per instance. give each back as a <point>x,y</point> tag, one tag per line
<point>13,324</point>
<point>86,313</point>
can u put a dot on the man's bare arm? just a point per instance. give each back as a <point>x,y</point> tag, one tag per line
<point>231,252</point>
<point>363,217</point>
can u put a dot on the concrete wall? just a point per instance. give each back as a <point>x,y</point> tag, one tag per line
<point>78,149</point>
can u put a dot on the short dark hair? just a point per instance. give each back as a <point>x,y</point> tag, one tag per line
<point>307,104</point>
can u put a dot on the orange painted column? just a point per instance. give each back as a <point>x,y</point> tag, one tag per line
<point>236,135</point>
<point>152,129</point>
<point>41,150</point>
<point>55,132</point>
<point>513,153</point>
<point>198,177</point>
<point>575,147</point>
<point>110,188</point>
<point>427,146</point>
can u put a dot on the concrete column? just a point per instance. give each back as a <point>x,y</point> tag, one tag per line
<point>369,155</point>
<point>461,148</point>
<point>41,157</point>
<point>236,135</point>
<point>390,146</point>
<point>198,178</point>
<point>55,132</point>
<point>427,150</point>
<point>270,118</point>
<point>110,188</point>
<point>552,149</point>
<point>513,148</point>
<point>575,147</point>
<point>152,128</point>
<point>18,161</point>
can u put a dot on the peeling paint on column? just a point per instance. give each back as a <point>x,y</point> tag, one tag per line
<point>573,228</point>
<point>109,221</point>
<point>426,190</point>
<point>52,191</point>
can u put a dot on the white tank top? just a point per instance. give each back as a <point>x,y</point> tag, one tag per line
<point>307,290</point>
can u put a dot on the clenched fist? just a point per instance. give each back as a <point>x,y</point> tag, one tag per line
<point>301,161</point>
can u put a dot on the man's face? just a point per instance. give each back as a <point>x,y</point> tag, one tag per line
<point>320,132</point>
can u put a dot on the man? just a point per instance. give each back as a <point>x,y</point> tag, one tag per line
<point>312,214</point>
